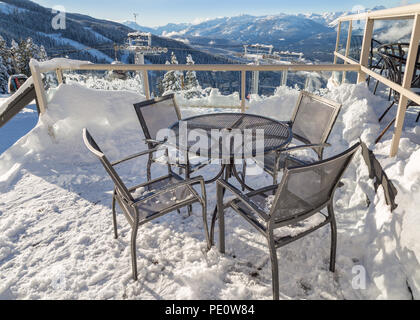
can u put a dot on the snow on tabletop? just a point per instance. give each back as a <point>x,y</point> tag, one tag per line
<point>56,238</point>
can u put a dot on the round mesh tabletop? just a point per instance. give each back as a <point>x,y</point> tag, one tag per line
<point>238,135</point>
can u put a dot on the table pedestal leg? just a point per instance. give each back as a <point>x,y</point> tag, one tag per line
<point>220,214</point>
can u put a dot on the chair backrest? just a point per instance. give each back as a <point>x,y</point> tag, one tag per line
<point>305,189</point>
<point>393,70</point>
<point>94,148</point>
<point>157,114</point>
<point>313,119</point>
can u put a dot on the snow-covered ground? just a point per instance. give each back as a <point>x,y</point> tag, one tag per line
<point>56,237</point>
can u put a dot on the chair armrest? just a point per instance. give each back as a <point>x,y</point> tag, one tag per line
<point>305,146</point>
<point>136,155</point>
<point>244,198</point>
<point>154,141</point>
<point>190,182</point>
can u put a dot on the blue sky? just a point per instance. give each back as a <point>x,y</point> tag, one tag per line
<point>161,12</point>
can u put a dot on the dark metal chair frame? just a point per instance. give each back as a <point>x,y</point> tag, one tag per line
<point>130,206</point>
<point>394,59</point>
<point>393,64</point>
<point>152,143</point>
<point>317,147</point>
<point>270,220</point>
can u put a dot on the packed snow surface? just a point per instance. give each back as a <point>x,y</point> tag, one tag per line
<point>56,239</point>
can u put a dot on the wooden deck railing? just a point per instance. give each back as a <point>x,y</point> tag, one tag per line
<point>361,66</point>
<point>400,13</point>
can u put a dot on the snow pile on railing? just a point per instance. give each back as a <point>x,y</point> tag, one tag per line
<point>55,216</point>
<point>56,63</point>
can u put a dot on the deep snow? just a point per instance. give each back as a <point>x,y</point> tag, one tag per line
<point>56,236</point>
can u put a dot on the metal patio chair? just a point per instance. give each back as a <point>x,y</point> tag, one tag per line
<point>157,114</point>
<point>160,196</point>
<point>394,57</point>
<point>302,193</point>
<point>394,66</point>
<point>312,121</point>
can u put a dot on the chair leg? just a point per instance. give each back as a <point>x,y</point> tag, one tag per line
<point>187,176</point>
<point>221,216</point>
<point>386,111</point>
<point>243,174</point>
<point>274,268</point>
<point>149,171</point>
<point>114,214</point>
<point>333,238</point>
<point>384,131</point>
<point>275,171</point>
<point>133,248</point>
<point>376,87</point>
<point>206,226</point>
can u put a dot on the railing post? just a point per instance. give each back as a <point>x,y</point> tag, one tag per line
<point>59,75</point>
<point>364,55</point>
<point>348,44</point>
<point>243,88</point>
<point>408,78</point>
<point>284,77</point>
<point>146,84</point>
<point>39,86</point>
<point>337,42</point>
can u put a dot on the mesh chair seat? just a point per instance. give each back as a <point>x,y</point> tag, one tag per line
<point>163,201</point>
<point>271,158</point>
<point>297,207</point>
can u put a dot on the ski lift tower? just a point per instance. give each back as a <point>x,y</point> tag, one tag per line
<point>141,44</point>
<point>256,52</point>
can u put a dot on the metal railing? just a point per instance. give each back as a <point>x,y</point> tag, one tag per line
<point>400,13</point>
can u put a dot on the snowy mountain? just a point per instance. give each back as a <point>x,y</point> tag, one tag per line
<point>310,33</point>
<point>284,31</point>
<point>85,38</point>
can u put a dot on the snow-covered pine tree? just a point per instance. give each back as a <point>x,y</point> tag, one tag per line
<point>172,80</point>
<point>191,83</point>
<point>23,52</point>
<point>18,56</point>
<point>5,65</point>
<point>6,55</point>
<point>4,76</point>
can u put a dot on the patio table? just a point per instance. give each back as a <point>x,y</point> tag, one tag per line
<point>276,135</point>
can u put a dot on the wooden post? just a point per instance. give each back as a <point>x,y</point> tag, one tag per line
<point>408,78</point>
<point>243,88</point>
<point>59,75</point>
<point>348,44</point>
<point>337,42</point>
<point>146,84</point>
<point>39,87</point>
<point>284,77</point>
<point>364,55</point>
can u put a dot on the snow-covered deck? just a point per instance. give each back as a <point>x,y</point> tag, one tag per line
<point>56,237</point>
